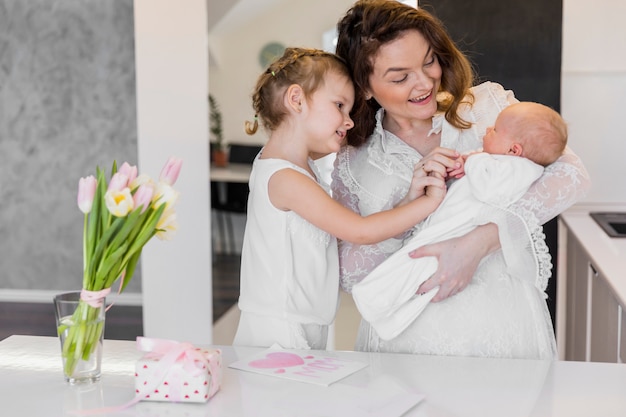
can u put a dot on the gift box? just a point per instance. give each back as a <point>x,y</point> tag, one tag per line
<point>177,372</point>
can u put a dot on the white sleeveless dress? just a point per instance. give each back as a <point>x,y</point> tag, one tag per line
<point>289,271</point>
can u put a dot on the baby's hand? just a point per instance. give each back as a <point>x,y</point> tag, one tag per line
<point>459,170</point>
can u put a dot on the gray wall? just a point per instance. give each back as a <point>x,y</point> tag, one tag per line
<point>67,105</point>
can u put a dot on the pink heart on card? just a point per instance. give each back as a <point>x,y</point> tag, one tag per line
<point>277,360</point>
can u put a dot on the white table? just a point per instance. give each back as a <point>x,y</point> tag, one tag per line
<point>220,176</point>
<point>233,172</point>
<point>32,384</point>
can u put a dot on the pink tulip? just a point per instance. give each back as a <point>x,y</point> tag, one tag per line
<point>118,182</point>
<point>170,171</point>
<point>129,170</point>
<point>143,197</point>
<point>86,191</point>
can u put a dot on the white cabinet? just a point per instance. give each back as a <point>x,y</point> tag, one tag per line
<point>594,318</point>
<point>604,320</point>
<point>577,301</point>
<point>622,350</point>
<point>592,311</point>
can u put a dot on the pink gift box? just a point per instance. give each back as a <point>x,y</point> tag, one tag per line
<point>177,372</point>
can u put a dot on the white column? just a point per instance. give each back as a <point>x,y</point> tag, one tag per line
<point>593,92</point>
<point>171,50</point>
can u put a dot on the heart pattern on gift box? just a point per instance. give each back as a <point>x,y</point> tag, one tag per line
<point>178,385</point>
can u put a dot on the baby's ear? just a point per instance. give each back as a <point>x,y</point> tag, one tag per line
<point>294,98</point>
<point>516,149</point>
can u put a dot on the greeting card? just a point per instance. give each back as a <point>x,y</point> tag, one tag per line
<point>297,365</point>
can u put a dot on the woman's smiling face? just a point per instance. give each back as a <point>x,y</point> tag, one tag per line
<point>406,77</point>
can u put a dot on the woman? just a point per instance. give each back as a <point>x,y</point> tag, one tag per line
<point>415,104</point>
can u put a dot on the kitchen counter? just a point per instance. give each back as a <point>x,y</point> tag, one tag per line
<point>32,384</point>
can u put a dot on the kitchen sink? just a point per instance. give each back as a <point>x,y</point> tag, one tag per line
<point>613,223</point>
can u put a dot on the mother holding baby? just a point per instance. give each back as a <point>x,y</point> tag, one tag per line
<point>415,105</point>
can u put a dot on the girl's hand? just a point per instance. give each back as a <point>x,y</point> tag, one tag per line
<point>418,183</point>
<point>438,190</point>
<point>458,260</point>
<point>440,161</point>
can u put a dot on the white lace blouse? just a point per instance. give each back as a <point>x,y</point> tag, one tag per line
<point>376,176</point>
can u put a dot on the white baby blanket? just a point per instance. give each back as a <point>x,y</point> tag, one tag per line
<point>387,298</point>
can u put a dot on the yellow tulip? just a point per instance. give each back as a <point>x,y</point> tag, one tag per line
<point>167,225</point>
<point>164,194</point>
<point>119,203</point>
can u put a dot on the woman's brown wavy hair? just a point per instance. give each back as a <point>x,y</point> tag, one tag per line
<point>367,26</point>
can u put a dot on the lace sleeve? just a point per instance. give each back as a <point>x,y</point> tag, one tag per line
<point>563,183</point>
<point>522,239</point>
<point>355,261</point>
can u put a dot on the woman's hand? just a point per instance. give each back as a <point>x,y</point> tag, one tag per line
<point>440,160</point>
<point>458,260</point>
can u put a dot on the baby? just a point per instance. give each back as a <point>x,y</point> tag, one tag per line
<point>527,129</point>
<point>526,137</point>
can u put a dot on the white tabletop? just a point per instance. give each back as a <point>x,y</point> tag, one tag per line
<point>233,172</point>
<point>32,384</point>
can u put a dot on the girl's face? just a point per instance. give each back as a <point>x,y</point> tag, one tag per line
<point>406,77</point>
<point>328,119</point>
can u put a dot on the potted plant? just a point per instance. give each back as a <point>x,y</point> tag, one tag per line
<point>219,153</point>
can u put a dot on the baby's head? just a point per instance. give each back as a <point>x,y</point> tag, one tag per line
<point>305,67</point>
<point>530,130</point>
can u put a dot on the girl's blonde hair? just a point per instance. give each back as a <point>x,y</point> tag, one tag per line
<point>302,66</point>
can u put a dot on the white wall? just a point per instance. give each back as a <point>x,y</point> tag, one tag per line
<point>67,105</point>
<point>236,68</point>
<point>172,87</point>
<point>593,92</point>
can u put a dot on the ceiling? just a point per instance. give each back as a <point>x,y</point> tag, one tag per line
<point>228,15</point>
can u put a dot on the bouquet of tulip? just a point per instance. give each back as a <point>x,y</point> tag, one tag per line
<point>120,218</point>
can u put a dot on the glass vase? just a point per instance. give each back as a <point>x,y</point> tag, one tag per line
<point>80,327</point>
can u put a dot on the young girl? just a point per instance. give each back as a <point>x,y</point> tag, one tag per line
<point>289,260</point>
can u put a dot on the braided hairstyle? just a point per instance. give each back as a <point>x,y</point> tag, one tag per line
<point>302,66</point>
<point>370,24</point>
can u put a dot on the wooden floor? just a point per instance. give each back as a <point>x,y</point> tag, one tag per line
<point>122,322</point>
